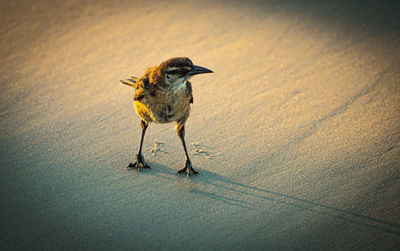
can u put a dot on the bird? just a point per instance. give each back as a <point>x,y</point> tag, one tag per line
<point>163,95</point>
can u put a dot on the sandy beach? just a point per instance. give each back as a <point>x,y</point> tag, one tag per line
<point>296,135</point>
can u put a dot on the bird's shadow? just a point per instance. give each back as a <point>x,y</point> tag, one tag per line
<point>215,182</point>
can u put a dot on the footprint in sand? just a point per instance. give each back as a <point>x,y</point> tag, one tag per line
<point>158,147</point>
<point>201,150</point>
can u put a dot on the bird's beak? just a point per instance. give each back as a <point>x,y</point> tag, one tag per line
<point>199,70</point>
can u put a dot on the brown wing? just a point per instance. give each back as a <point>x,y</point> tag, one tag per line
<point>142,88</point>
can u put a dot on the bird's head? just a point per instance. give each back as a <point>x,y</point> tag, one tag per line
<point>177,71</point>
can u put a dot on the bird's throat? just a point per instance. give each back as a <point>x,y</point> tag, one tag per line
<point>178,86</point>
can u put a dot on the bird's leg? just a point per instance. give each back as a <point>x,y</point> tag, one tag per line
<point>139,157</point>
<point>188,165</point>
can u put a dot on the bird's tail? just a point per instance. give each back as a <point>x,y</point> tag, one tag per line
<point>130,81</point>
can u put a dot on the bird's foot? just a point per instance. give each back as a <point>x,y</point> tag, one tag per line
<point>139,163</point>
<point>188,169</point>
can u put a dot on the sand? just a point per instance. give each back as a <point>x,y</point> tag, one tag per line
<point>296,135</point>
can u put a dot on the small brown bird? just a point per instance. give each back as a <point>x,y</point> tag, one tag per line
<point>164,94</point>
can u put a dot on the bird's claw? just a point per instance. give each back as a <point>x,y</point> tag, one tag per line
<point>188,169</point>
<point>139,163</point>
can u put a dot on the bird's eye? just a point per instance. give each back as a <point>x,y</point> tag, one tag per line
<point>171,72</point>
<point>178,71</point>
